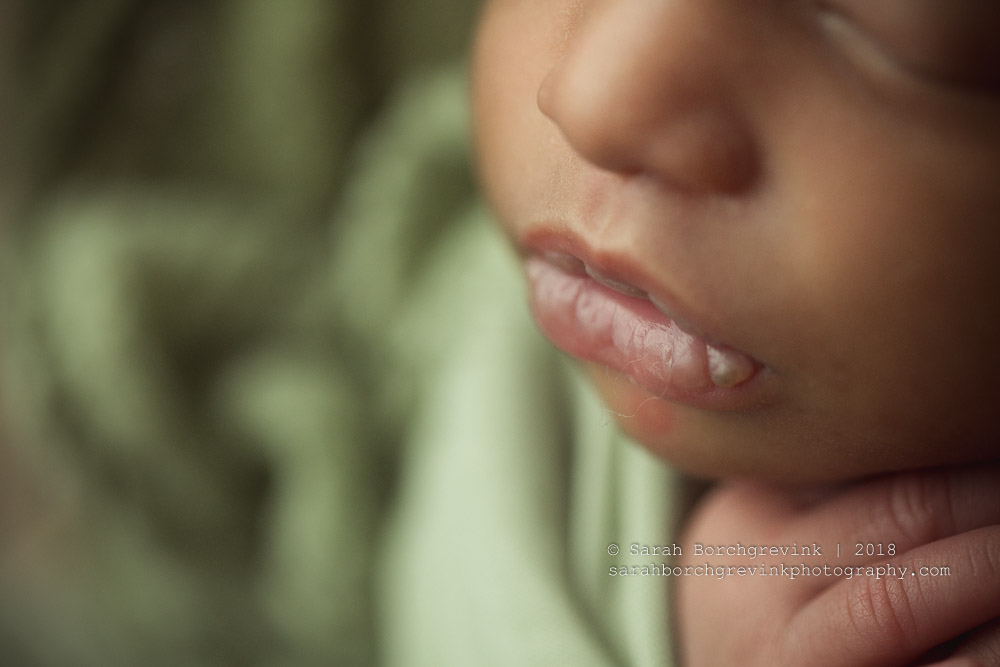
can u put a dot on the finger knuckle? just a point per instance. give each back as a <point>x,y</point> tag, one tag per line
<point>881,610</point>
<point>984,555</point>
<point>919,506</point>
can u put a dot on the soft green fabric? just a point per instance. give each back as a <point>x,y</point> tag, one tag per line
<point>514,485</point>
<point>242,429</point>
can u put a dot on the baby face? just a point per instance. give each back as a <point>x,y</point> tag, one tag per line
<point>771,230</point>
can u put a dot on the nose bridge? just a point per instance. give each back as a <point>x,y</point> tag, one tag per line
<point>650,86</point>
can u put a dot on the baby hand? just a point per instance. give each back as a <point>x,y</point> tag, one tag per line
<point>940,600</point>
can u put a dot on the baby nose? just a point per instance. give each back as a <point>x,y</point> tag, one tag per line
<point>651,86</point>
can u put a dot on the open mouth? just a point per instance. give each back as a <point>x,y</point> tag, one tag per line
<point>605,319</point>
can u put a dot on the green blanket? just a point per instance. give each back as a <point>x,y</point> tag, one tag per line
<point>241,430</point>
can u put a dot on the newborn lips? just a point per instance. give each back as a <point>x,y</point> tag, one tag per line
<point>606,320</point>
<point>616,285</point>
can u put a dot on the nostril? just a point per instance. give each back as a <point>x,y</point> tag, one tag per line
<point>691,142</point>
<point>645,106</point>
<point>708,150</point>
<point>589,113</point>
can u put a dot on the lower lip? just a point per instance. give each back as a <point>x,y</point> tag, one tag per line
<point>588,320</point>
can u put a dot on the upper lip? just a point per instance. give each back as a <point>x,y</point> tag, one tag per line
<point>613,271</point>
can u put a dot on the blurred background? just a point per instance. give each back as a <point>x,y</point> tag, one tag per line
<point>251,94</point>
<point>207,210</point>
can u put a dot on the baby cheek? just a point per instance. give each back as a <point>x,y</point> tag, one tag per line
<point>513,52</point>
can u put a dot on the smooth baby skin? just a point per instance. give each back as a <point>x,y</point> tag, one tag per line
<point>790,186</point>
<point>808,192</point>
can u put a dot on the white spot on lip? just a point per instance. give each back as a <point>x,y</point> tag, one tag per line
<point>728,368</point>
